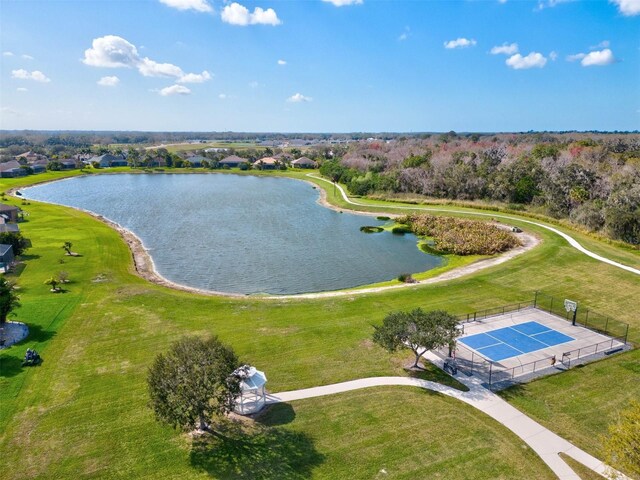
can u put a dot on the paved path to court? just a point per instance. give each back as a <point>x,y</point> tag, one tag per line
<point>544,442</point>
<point>573,242</point>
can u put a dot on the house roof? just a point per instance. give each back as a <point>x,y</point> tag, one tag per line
<point>233,159</point>
<point>196,158</point>
<point>268,160</point>
<point>9,228</point>
<point>4,248</point>
<point>303,161</point>
<point>9,165</point>
<point>8,208</point>
<point>250,378</point>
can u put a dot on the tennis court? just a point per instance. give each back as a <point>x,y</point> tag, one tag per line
<point>514,340</point>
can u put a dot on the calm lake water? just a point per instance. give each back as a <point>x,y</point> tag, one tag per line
<point>242,234</point>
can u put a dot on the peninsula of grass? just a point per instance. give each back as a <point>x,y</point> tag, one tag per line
<point>83,412</point>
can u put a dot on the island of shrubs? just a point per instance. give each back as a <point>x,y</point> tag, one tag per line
<point>460,236</point>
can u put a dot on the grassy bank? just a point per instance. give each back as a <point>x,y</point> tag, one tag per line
<point>83,412</point>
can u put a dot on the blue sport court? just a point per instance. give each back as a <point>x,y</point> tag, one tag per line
<point>512,341</point>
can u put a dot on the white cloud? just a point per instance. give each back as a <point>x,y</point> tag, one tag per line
<point>112,51</point>
<point>577,56</point>
<point>222,96</point>
<point>534,59</point>
<point>22,89</point>
<point>195,77</point>
<point>553,56</point>
<point>342,3</point>
<point>151,68</point>
<point>404,35</point>
<point>197,5</point>
<point>506,49</point>
<point>598,58</point>
<point>7,54</point>
<point>254,84</point>
<point>36,75</point>
<point>236,14</point>
<point>111,81</point>
<point>602,44</point>
<point>27,57</point>
<point>628,8</point>
<point>282,62</point>
<point>542,4</point>
<point>174,90</point>
<point>460,43</point>
<point>298,98</point>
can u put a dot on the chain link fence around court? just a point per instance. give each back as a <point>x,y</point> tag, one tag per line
<point>496,375</point>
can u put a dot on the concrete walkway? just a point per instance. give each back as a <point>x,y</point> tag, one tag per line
<point>572,241</point>
<point>544,442</point>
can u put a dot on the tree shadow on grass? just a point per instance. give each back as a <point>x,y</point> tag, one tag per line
<point>434,374</point>
<point>10,366</point>
<point>276,414</point>
<point>239,452</point>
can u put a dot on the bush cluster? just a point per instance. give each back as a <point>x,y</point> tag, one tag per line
<point>461,236</point>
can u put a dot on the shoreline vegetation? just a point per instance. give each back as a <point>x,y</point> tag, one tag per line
<point>145,268</point>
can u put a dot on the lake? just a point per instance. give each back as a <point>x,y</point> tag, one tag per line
<point>242,234</point>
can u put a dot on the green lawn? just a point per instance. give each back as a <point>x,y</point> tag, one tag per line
<point>83,411</point>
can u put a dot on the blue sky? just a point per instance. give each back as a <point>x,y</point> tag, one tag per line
<point>317,66</point>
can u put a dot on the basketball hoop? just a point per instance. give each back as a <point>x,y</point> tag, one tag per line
<point>571,306</point>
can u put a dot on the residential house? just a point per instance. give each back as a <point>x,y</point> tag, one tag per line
<point>232,161</point>
<point>12,169</point>
<point>196,160</point>
<point>9,228</point>
<point>267,163</point>
<point>39,166</point>
<point>6,257</point>
<point>68,163</point>
<point>9,212</point>
<point>303,162</point>
<point>30,156</point>
<point>157,161</point>
<point>107,160</point>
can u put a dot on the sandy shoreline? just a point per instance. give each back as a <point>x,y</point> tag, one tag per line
<point>145,268</point>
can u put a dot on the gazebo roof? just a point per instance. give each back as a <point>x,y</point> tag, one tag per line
<point>250,378</point>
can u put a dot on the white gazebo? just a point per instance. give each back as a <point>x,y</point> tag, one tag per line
<point>252,395</point>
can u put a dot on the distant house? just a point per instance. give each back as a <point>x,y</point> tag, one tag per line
<point>68,163</point>
<point>158,162</point>
<point>39,166</point>
<point>232,161</point>
<point>9,212</point>
<point>30,156</point>
<point>107,160</point>
<point>6,257</point>
<point>303,162</point>
<point>267,163</point>
<point>196,160</point>
<point>9,228</point>
<point>12,169</point>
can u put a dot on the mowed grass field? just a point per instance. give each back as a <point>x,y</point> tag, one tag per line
<point>83,412</point>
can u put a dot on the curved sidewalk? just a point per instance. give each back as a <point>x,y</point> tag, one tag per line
<point>544,442</point>
<point>572,241</point>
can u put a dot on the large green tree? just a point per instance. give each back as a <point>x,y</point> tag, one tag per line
<point>9,299</point>
<point>417,330</point>
<point>16,240</point>
<point>192,384</point>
